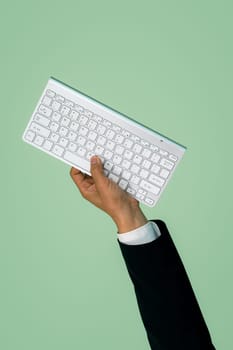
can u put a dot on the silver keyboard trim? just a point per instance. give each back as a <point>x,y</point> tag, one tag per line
<point>109,114</point>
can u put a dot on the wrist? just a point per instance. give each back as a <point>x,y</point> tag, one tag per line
<point>130,220</point>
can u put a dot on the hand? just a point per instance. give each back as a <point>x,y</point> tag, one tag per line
<point>108,196</point>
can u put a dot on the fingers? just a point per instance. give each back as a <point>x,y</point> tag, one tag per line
<point>97,182</point>
<point>77,176</point>
<point>83,181</point>
<point>97,173</point>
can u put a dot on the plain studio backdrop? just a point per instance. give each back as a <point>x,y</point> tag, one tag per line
<point>167,64</point>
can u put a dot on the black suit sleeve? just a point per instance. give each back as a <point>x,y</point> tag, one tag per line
<point>166,301</point>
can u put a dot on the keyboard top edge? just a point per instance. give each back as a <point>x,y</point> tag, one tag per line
<point>101,104</point>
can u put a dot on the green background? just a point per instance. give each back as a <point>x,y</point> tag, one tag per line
<point>168,64</point>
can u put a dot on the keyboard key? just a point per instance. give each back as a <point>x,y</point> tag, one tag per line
<point>137,159</point>
<point>45,111</point>
<point>154,148</point>
<point>60,98</point>
<point>47,100</point>
<point>156,180</point>
<point>56,116</point>
<point>72,147</point>
<point>155,169</point>
<point>39,140</point>
<point>54,126</point>
<point>92,125</point>
<point>137,148</point>
<point>83,119</point>
<point>119,138</point>
<point>56,106</point>
<point>69,103</point>
<point>81,140</point>
<point>173,158</point>
<point>30,135</point>
<point>80,109</point>
<point>63,142</point>
<point>58,150</point>
<point>50,93</point>
<point>110,134</point>
<point>65,121</point>
<point>116,128</point>
<point>128,154</point>
<point>92,135</point>
<point>164,173</point>
<point>119,150</point>
<point>48,145</point>
<point>107,123</point>
<point>108,165</point>
<point>97,118</point>
<point>126,164</point>
<point>126,175</point>
<point>135,187</point>
<point>117,170</point>
<point>65,110</point>
<point>101,129</point>
<point>149,200</point>
<point>74,115</point>
<point>99,150</point>
<point>130,191</point>
<point>117,159</point>
<point>149,187</point>
<point>89,155</point>
<point>144,143</point>
<point>74,126</point>
<point>54,137</point>
<point>140,190</point>
<point>88,113</point>
<point>40,129</point>
<point>123,184</point>
<point>135,138</point>
<point>113,178</point>
<point>90,145</point>
<point>135,180</point>
<point>108,155</point>
<point>155,158</point>
<point>126,134</point>
<point>163,153</point>
<point>146,164</point>
<point>144,173</point>
<point>101,140</point>
<point>72,136</point>
<point>110,145</point>
<point>63,131</point>
<point>81,151</point>
<point>83,131</point>
<point>140,196</point>
<point>146,153</point>
<point>135,169</point>
<point>167,164</point>
<point>128,144</point>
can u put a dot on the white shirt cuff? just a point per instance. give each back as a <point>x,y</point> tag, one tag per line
<point>141,235</point>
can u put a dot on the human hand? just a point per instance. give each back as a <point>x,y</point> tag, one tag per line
<point>108,196</point>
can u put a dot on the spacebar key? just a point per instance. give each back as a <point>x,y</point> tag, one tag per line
<point>78,161</point>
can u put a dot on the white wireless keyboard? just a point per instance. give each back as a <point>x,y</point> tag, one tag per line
<point>73,127</point>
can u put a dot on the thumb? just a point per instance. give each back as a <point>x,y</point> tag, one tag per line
<point>97,173</point>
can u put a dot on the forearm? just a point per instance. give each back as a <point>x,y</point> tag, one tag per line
<point>166,301</point>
